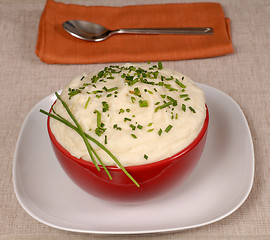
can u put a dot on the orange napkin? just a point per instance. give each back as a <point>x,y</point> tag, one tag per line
<point>54,45</point>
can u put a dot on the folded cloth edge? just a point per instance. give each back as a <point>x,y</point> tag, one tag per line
<point>42,41</point>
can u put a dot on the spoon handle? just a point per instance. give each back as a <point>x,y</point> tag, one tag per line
<point>205,30</point>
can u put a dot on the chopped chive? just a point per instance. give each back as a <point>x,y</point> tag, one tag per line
<point>73,92</point>
<point>105,140</point>
<point>105,107</point>
<point>100,74</point>
<point>82,78</point>
<point>133,135</point>
<point>99,131</point>
<point>192,109</point>
<point>150,124</point>
<point>166,104</point>
<point>168,128</point>
<point>116,127</point>
<point>160,66</point>
<point>170,88</point>
<point>133,99</point>
<point>145,156</point>
<point>180,84</point>
<point>183,95</point>
<point>187,99</point>
<point>98,118</point>
<point>97,91</point>
<point>143,103</point>
<point>160,132</point>
<point>184,107</point>
<point>174,102</point>
<point>121,110</point>
<point>111,89</point>
<point>137,92</point>
<point>140,126</point>
<point>151,130</point>
<point>127,119</point>
<point>132,126</point>
<point>86,104</point>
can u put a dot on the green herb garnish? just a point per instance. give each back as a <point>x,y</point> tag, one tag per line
<point>166,104</point>
<point>72,92</point>
<point>100,126</point>
<point>143,103</point>
<point>110,89</point>
<point>183,95</point>
<point>140,126</point>
<point>127,119</point>
<point>121,110</point>
<point>184,107</point>
<point>133,135</point>
<point>180,84</point>
<point>168,128</point>
<point>160,66</point>
<point>87,102</point>
<point>192,109</point>
<point>105,106</point>
<point>132,126</point>
<point>85,136</point>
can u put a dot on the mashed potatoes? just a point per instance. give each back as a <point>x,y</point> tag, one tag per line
<point>141,113</point>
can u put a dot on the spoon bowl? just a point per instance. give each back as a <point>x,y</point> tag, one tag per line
<point>94,32</point>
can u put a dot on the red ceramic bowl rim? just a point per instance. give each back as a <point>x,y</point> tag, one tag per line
<point>175,156</point>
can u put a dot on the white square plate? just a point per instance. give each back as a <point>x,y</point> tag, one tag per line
<point>219,185</point>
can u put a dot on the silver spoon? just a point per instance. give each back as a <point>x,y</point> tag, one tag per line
<point>94,32</point>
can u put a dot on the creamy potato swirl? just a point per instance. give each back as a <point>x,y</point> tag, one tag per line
<point>141,113</point>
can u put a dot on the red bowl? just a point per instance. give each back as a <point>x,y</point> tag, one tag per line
<point>154,178</point>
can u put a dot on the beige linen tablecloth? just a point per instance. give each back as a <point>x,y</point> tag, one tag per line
<point>243,75</point>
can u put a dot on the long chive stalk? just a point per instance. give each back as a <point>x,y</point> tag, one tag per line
<point>67,123</point>
<point>91,156</point>
<point>81,132</point>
